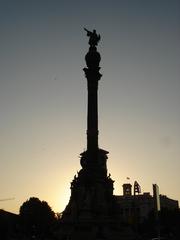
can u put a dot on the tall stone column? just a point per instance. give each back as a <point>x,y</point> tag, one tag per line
<point>94,159</point>
<point>91,203</point>
<point>93,76</point>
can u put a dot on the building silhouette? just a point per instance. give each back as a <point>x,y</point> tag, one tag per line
<point>137,207</point>
<point>9,223</point>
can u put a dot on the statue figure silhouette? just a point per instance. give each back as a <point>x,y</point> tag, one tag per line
<point>93,37</point>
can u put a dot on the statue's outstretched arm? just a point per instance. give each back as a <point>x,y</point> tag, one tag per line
<point>88,32</point>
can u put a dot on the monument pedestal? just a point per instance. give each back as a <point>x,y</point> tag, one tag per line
<point>91,191</point>
<point>91,212</point>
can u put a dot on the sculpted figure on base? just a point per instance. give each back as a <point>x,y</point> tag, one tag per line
<point>93,37</point>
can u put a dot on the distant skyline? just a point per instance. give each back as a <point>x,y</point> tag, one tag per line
<point>43,95</point>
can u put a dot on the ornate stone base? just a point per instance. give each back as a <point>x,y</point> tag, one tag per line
<point>91,211</point>
<point>91,191</point>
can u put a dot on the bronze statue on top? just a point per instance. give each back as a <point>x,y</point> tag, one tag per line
<point>93,37</point>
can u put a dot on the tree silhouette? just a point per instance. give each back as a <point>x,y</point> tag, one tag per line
<point>37,217</point>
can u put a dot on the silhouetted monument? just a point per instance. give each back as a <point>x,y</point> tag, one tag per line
<point>90,213</point>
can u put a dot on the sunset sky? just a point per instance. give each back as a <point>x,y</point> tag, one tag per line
<point>43,95</point>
